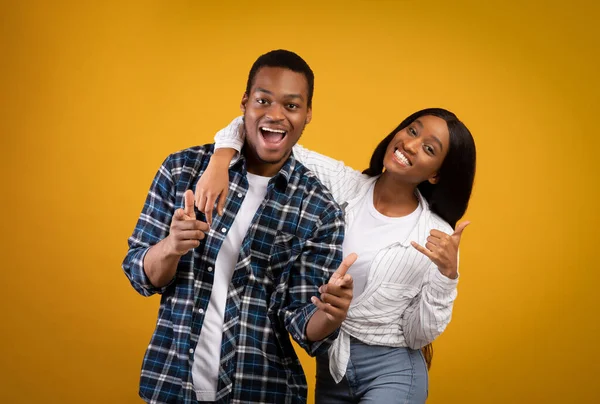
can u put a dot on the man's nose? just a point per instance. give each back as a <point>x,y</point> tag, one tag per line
<point>275,112</point>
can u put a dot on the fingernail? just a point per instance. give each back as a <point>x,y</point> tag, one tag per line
<point>313,299</point>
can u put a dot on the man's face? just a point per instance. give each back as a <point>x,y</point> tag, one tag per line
<point>275,113</point>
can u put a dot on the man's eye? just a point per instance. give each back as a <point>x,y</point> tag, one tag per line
<point>292,106</point>
<point>261,101</point>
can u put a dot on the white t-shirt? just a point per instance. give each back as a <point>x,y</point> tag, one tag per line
<point>207,357</point>
<point>370,232</point>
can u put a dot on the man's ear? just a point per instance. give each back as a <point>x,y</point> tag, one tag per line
<point>308,116</point>
<point>243,103</point>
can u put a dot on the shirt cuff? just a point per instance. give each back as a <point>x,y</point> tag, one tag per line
<point>142,279</point>
<point>442,283</point>
<point>229,145</point>
<point>315,348</point>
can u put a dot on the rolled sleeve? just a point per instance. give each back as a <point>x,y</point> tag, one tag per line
<point>297,327</point>
<point>152,226</point>
<point>426,318</point>
<point>321,256</point>
<point>231,137</point>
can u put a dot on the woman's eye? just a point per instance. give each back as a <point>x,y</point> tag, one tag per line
<point>429,149</point>
<point>412,131</point>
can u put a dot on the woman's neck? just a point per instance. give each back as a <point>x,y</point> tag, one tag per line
<point>393,198</point>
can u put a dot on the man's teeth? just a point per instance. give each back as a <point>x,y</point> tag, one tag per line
<point>401,157</point>
<point>274,130</point>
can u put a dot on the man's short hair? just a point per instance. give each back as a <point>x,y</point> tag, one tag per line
<point>287,60</point>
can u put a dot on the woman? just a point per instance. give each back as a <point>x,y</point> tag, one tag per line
<point>401,216</point>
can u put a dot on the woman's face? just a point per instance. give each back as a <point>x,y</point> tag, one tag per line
<point>416,152</point>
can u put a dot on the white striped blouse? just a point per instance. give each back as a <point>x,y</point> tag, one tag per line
<point>407,302</point>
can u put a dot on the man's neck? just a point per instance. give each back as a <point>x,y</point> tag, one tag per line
<point>265,169</point>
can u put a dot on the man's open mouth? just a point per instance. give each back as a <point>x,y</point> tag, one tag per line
<point>272,135</point>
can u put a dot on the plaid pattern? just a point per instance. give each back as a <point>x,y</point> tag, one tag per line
<point>292,247</point>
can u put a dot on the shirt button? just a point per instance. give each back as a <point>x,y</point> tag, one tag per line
<point>240,194</point>
<point>191,351</point>
<point>200,311</point>
<point>209,269</point>
<point>223,230</point>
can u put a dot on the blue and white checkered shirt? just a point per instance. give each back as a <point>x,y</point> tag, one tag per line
<point>292,247</point>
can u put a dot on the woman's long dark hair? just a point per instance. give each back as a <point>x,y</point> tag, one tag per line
<point>449,197</point>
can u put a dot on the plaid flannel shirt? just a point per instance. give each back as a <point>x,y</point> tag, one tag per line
<point>292,247</point>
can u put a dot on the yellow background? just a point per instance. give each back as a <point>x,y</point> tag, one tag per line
<point>94,95</point>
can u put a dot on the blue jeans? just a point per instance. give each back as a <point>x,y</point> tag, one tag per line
<point>375,374</point>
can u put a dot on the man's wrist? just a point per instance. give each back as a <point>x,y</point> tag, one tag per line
<point>167,250</point>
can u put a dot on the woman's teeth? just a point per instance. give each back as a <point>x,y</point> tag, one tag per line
<point>401,157</point>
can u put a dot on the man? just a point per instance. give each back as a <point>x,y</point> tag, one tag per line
<point>233,290</point>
